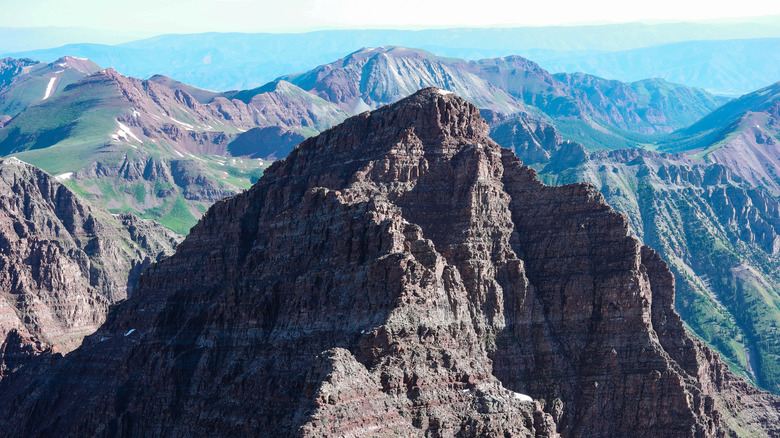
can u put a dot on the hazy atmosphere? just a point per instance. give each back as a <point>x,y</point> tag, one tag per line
<point>185,16</point>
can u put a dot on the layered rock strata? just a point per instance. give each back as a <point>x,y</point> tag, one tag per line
<point>400,274</point>
<point>63,262</point>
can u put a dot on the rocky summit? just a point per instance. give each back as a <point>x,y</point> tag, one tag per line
<point>398,275</point>
<point>63,262</point>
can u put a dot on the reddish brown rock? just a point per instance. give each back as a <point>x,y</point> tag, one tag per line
<point>400,274</point>
<point>63,262</point>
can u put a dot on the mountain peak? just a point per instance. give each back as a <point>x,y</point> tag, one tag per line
<point>432,121</point>
<point>436,110</point>
<point>82,65</point>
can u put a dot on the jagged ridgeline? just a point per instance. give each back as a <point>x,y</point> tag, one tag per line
<point>63,262</point>
<point>399,274</point>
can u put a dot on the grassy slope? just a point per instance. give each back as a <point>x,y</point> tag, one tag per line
<point>72,129</point>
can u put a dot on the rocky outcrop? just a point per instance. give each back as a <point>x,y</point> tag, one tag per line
<point>720,235</point>
<point>63,263</point>
<point>398,274</point>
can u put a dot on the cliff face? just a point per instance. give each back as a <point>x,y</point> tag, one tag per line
<point>398,274</point>
<point>720,235</point>
<point>63,262</point>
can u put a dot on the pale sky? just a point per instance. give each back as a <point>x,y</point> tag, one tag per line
<point>184,16</point>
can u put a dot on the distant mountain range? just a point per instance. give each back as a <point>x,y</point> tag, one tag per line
<point>729,67</point>
<point>693,54</point>
<point>30,81</point>
<point>597,112</point>
<point>140,146</point>
<point>14,39</point>
<point>158,147</point>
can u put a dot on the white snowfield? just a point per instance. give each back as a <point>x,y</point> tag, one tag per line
<point>124,131</point>
<point>444,92</point>
<point>187,126</point>
<point>64,176</point>
<point>523,397</point>
<point>50,88</point>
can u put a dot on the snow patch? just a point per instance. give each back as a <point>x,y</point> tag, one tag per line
<point>130,332</point>
<point>136,113</point>
<point>187,126</point>
<point>15,160</point>
<point>58,72</point>
<point>64,176</point>
<point>49,88</point>
<point>80,59</point>
<point>178,153</point>
<point>522,397</point>
<point>124,131</point>
<point>444,92</point>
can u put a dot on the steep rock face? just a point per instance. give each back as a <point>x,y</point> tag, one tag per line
<point>400,273</point>
<point>719,235</point>
<point>63,262</point>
